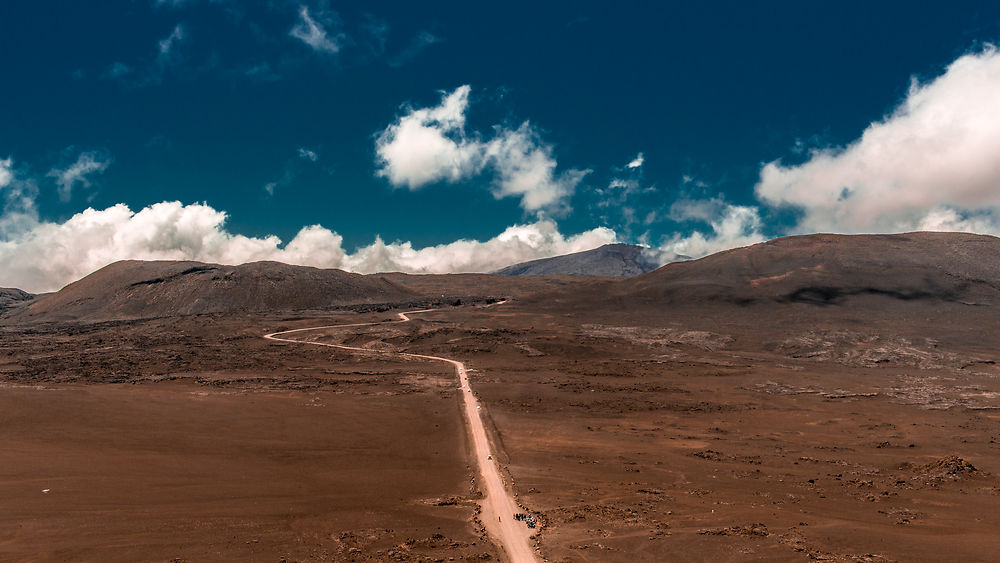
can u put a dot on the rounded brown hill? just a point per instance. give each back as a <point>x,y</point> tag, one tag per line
<point>619,260</point>
<point>134,289</point>
<point>821,270</point>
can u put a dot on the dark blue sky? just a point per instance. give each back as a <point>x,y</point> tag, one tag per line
<point>210,101</point>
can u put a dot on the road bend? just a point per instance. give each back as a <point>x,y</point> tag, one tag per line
<point>498,504</point>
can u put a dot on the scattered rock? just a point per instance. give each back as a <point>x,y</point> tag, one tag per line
<point>748,530</point>
<point>949,465</point>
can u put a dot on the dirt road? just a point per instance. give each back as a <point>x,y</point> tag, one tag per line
<point>498,505</point>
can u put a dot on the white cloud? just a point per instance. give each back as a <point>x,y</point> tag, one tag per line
<point>933,163</point>
<point>517,243</point>
<point>636,162</point>
<point>44,256</point>
<point>308,154</point>
<point>313,32</point>
<point>87,164</point>
<point>168,45</point>
<point>291,169</point>
<point>431,145</point>
<point>6,172</point>
<point>526,168</point>
<point>731,226</point>
<point>704,210</point>
<point>17,200</point>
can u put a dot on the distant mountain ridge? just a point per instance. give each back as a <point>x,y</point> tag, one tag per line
<point>613,260</point>
<point>823,270</point>
<point>140,289</point>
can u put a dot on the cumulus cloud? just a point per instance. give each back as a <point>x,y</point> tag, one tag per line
<point>930,164</point>
<point>526,168</point>
<point>636,162</point>
<point>44,256</point>
<point>731,226</point>
<point>517,243</point>
<point>429,145</point>
<point>314,33</point>
<point>86,165</point>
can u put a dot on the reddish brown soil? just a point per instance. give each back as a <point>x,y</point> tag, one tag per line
<point>857,421</point>
<point>292,455</point>
<point>628,444</point>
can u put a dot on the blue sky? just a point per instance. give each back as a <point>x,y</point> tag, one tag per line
<point>209,129</point>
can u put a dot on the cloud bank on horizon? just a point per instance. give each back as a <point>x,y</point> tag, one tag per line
<point>44,256</point>
<point>930,164</point>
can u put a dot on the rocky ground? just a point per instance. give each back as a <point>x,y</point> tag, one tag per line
<point>630,438</point>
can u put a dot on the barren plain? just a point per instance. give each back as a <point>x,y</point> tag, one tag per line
<point>847,424</point>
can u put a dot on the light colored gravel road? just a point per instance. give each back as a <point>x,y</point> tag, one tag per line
<point>498,504</point>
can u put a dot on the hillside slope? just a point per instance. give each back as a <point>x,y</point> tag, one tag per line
<point>831,269</point>
<point>11,297</point>
<point>138,289</point>
<point>620,260</point>
<point>822,271</point>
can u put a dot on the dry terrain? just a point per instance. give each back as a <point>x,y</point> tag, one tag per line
<point>806,399</point>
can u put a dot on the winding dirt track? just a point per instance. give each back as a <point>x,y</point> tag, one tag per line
<point>498,505</point>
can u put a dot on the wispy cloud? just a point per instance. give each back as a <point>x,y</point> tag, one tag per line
<point>79,172</point>
<point>151,72</point>
<point>308,154</point>
<point>291,169</point>
<point>169,44</point>
<point>314,32</point>
<point>261,71</point>
<point>17,201</point>
<point>171,3</point>
<point>375,34</point>
<point>430,145</point>
<point>421,41</point>
<point>117,69</point>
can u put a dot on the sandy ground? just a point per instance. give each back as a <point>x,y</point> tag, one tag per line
<point>632,439</point>
<point>498,507</point>
<point>299,462</point>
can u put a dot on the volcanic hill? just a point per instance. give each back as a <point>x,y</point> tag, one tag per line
<point>620,260</point>
<point>10,297</point>
<point>823,270</point>
<point>138,289</point>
